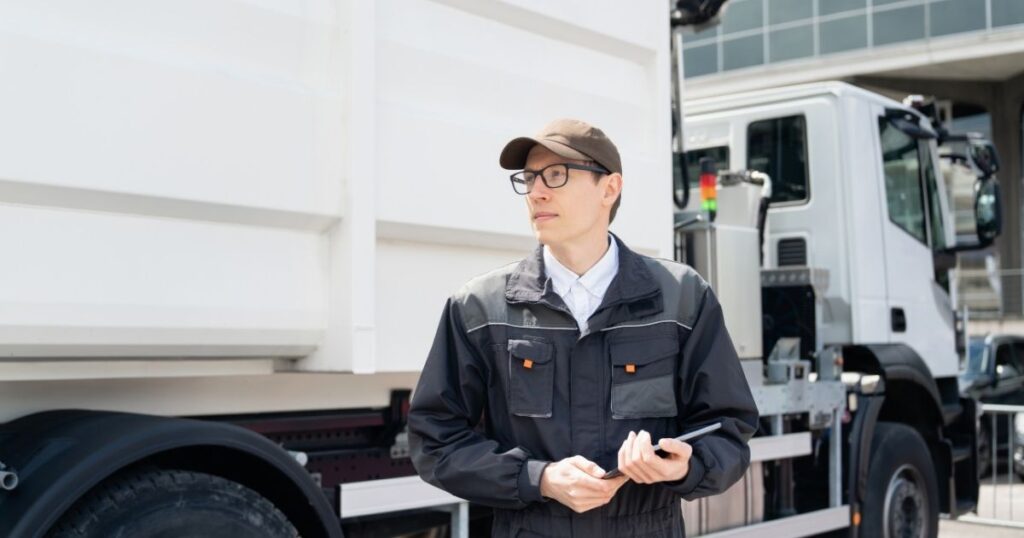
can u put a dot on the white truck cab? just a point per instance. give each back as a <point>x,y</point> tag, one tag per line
<point>852,195</point>
<point>857,241</point>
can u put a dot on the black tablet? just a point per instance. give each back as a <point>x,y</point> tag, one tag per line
<point>684,437</point>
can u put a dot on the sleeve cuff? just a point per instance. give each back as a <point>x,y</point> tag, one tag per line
<point>688,484</point>
<point>529,481</point>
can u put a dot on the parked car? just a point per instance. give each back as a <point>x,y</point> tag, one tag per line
<point>994,374</point>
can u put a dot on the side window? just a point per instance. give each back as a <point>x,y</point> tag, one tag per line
<point>903,180</point>
<point>778,147</point>
<point>935,223</point>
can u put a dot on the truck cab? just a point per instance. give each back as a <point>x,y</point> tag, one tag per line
<point>853,195</point>
<point>857,241</point>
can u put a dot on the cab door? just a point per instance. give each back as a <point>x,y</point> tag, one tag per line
<point>914,229</point>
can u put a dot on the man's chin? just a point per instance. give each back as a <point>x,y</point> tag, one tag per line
<point>543,236</point>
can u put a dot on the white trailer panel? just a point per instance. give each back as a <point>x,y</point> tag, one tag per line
<point>262,179</point>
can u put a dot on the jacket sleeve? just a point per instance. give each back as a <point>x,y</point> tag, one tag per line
<point>447,449</point>
<point>712,388</point>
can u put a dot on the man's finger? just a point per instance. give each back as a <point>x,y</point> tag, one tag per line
<point>594,470</point>
<point>675,446</point>
<point>587,466</point>
<point>641,443</point>
<point>646,447</point>
<point>625,457</point>
<point>578,461</point>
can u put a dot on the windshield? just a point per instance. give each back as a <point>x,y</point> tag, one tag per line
<point>977,357</point>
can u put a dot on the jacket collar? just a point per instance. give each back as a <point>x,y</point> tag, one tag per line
<point>529,284</point>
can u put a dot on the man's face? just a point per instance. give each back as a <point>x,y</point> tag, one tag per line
<point>564,214</point>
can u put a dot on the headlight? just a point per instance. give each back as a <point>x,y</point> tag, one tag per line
<point>1018,423</point>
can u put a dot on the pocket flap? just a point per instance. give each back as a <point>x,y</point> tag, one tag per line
<point>640,352</point>
<point>538,352</point>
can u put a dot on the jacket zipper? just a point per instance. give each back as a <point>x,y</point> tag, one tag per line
<point>603,381</point>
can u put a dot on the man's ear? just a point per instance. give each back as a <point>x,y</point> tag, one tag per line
<point>612,188</point>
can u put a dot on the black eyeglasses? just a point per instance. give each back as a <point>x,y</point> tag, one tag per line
<point>553,176</point>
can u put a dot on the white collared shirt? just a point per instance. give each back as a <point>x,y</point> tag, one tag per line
<point>583,294</point>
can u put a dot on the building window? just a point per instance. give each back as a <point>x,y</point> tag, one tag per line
<point>742,52</point>
<point>783,11</point>
<point>955,16</point>
<point>778,147</point>
<point>743,15</point>
<point>845,33</point>
<point>791,43</point>
<point>1007,12</point>
<point>700,60</point>
<point>898,25</point>
<point>831,7</point>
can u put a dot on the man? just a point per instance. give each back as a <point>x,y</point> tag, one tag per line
<point>548,372</point>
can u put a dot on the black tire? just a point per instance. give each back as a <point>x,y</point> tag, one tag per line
<point>170,504</point>
<point>902,491</point>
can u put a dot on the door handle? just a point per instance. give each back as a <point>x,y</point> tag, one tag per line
<point>899,320</point>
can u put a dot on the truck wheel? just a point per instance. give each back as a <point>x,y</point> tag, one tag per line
<point>902,492</point>
<point>160,503</point>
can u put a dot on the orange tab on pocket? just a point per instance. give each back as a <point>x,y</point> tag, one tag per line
<point>527,363</point>
<point>630,368</point>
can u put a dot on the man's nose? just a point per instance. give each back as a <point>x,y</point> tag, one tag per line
<point>539,191</point>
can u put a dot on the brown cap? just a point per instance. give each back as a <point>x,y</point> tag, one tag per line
<point>572,139</point>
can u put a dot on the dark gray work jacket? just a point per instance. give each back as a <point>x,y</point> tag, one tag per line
<point>511,384</point>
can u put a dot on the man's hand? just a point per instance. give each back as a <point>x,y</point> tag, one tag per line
<point>576,482</point>
<point>638,461</point>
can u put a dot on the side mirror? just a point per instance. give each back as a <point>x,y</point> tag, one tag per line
<point>987,212</point>
<point>985,157</point>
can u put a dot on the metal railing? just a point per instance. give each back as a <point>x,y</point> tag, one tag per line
<point>989,293</point>
<point>998,502</point>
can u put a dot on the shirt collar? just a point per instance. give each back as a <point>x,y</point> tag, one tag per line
<point>634,282</point>
<point>596,280</point>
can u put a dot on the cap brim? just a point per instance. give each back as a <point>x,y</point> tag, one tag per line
<point>513,157</point>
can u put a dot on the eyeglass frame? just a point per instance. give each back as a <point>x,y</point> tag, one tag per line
<point>568,166</point>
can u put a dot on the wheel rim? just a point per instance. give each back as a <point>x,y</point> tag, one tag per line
<point>906,505</point>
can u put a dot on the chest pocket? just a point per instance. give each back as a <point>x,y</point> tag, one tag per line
<point>531,373</point>
<point>643,378</point>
